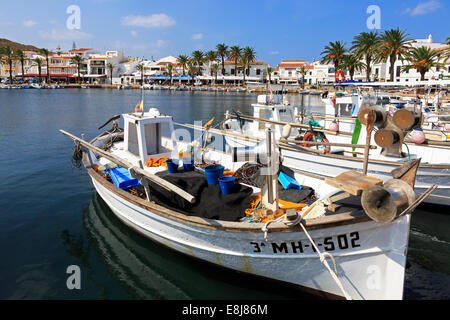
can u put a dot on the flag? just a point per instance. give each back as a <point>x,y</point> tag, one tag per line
<point>139,107</point>
<point>271,97</point>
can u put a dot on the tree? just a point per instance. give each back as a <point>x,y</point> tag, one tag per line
<point>141,68</point>
<point>366,46</point>
<point>198,58</point>
<point>395,45</point>
<point>422,59</point>
<point>352,63</point>
<point>190,65</point>
<point>235,54</point>
<point>222,52</point>
<point>46,54</point>
<point>78,60</point>
<point>20,55</point>
<point>38,62</point>
<point>269,72</point>
<point>215,69</point>
<point>8,57</point>
<point>251,57</point>
<point>303,73</point>
<point>169,69</point>
<point>334,53</point>
<point>244,63</point>
<point>182,60</point>
<point>211,57</point>
<point>111,68</point>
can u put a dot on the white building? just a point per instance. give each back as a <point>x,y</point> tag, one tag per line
<point>288,71</point>
<point>256,72</point>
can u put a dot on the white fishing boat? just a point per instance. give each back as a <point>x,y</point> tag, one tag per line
<point>328,246</point>
<point>329,161</point>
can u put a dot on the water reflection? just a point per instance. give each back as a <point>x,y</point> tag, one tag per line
<point>149,271</point>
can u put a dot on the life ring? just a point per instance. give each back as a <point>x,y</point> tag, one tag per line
<point>309,136</point>
<point>340,76</point>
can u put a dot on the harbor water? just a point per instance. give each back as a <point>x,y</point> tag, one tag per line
<point>51,217</point>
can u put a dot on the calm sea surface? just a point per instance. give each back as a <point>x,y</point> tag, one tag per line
<point>51,217</point>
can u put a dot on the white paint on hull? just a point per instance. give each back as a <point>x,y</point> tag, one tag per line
<point>373,270</point>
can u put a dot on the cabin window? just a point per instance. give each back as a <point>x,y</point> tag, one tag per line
<point>264,114</point>
<point>286,115</point>
<point>133,146</point>
<point>345,109</point>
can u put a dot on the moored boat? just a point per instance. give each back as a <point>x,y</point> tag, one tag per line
<point>176,210</point>
<point>329,161</point>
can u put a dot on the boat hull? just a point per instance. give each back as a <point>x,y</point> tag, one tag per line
<point>370,257</point>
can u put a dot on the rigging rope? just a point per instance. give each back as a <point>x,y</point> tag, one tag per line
<point>322,255</point>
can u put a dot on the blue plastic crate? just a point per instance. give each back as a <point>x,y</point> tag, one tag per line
<point>287,182</point>
<point>122,178</point>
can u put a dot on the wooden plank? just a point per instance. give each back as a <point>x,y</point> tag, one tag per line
<point>353,182</point>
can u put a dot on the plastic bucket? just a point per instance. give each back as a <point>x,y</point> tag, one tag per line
<point>188,164</point>
<point>213,173</point>
<point>227,184</point>
<point>172,165</point>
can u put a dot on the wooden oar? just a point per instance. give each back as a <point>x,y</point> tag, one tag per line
<point>127,165</point>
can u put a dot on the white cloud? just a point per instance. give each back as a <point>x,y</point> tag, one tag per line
<point>161,43</point>
<point>153,21</point>
<point>424,8</point>
<point>133,33</point>
<point>64,34</point>
<point>29,23</point>
<point>197,36</point>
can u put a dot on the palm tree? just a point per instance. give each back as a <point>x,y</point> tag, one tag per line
<point>244,63</point>
<point>334,52</point>
<point>182,61</point>
<point>446,54</point>
<point>352,63</point>
<point>110,67</point>
<point>235,54</point>
<point>210,57</point>
<point>46,53</point>
<point>141,68</point>
<point>20,55</point>
<point>251,57</point>
<point>78,60</point>
<point>198,58</point>
<point>395,45</point>
<point>169,69</point>
<point>366,46</point>
<point>303,72</point>
<point>215,69</point>
<point>269,72</point>
<point>222,52</point>
<point>190,65</point>
<point>38,62</point>
<point>7,57</point>
<point>422,59</point>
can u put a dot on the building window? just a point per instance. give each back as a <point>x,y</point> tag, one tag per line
<point>232,71</point>
<point>258,72</point>
<point>397,73</point>
<point>377,71</point>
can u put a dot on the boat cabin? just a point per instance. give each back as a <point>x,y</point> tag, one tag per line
<point>143,134</point>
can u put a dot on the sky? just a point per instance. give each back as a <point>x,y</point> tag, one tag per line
<point>276,29</point>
